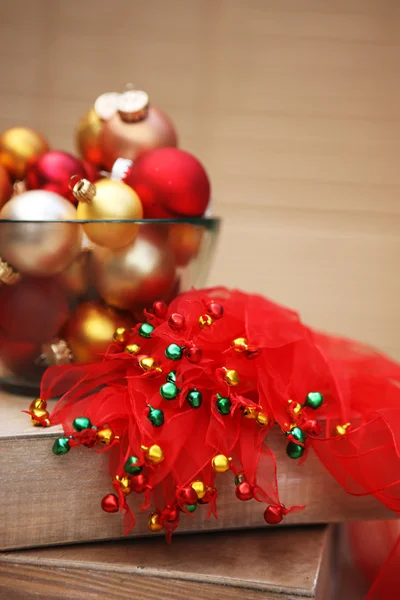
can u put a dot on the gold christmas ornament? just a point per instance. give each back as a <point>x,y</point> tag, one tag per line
<point>205,321</point>
<point>153,454</point>
<point>7,274</point>
<point>154,523</point>
<point>45,243</point>
<point>108,200</point>
<point>221,463</point>
<point>134,277</point>
<point>18,147</point>
<point>200,488</point>
<point>90,329</point>
<point>132,349</point>
<point>105,436</point>
<point>231,377</point>
<point>135,128</point>
<point>121,335</point>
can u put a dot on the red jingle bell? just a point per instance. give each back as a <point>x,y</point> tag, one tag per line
<point>311,426</point>
<point>193,355</point>
<point>215,310</point>
<point>176,321</point>
<point>170,182</point>
<point>171,514</point>
<point>160,309</point>
<point>273,515</point>
<point>52,172</point>
<point>110,503</point>
<point>187,495</point>
<point>139,483</point>
<point>244,491</point>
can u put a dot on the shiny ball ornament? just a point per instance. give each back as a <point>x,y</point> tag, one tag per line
<point>6,189</point>
<point>46,244</point>
<point>18,147</point>
<point>200,488</point>
<point>273,515</point>
<point>108,200</point>
<point>244,491</point>
<point>153,454</point>
<point>61,446</point>
<point>133,277</point>
<point>160,309</point>
<point>136,128</point>
<point>171,181</point>
<point>155,416</point>
<point>185,241</point>
<point>154,522</point>
<point>314,400</point>
<point>76,278</point>
<point>294,450</point>
<point>33,310</point>
<point>133,466</point>
<point>81,423</point>
<point>194,398</point>
<point>52,172</point>
<point>110,503</point>
<point>90,329</point>
<point>105,436</point>
<point>221,463</point>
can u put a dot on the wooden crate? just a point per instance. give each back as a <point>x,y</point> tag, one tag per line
<point>257,565</point>
<point>49,500</point>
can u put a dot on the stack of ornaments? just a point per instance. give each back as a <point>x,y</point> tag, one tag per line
<point>65,287</point>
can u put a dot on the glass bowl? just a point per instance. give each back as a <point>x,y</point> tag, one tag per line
<point>62,296</point>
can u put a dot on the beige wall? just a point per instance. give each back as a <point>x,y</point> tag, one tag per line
<point>293,105</point>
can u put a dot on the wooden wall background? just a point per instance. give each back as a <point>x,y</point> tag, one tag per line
<point>293,105</point>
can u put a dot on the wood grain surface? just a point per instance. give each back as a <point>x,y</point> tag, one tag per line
<point>258,565</point>
<point>293,105</point>
<point>47,499</point>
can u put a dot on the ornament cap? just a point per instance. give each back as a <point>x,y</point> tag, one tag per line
<point>56,353</point>
<point>82,189</point>
<point>133,105</point>
<point>7,274</point>
<point>105,106</point>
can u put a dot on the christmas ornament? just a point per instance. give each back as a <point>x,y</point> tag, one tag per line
<point>110,503</point>
<point>61,446</point>
<point>155,416</point>
<point>185,241</point>
<point>132,466</point>
<point>171,181</point>
<point>105,201</point>
<point>105,436</point>
<point>153,454</point>
<point>200,488</point>
<point>244,491</point>
<point>44,243</point>
<point>133,277</point>
<point>187,495</point>
<point>75,279</point>
<point>221,463</point>
<point>134,129</point>
<point>18,147</point>
<point>139,483</point>
<point>90,329</point>
<point>5,186</point>
<point>52,171</point>
<point>223,405</point>
<point>33,310</point>
<point>194,398</point>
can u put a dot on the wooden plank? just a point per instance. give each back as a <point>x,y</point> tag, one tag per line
<point>57,499</point>
<point>257,565</point>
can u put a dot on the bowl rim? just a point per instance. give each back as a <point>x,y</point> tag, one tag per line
<point>189,220</point>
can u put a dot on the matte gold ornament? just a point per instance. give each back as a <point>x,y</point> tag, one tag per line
<point>135,128</point>
<point>134,277</point>
<point>231,377</point>
<point>18,147</point>
<point>153,454</point>
<point>90,329</point>
<point>154,522</point>
<point>200,488</point>
<point>105,201</point>
<point>221,463</point>
<point>45,243</point>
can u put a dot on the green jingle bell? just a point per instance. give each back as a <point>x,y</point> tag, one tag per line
<point>194,398</point>
<point>155,416</point>
<point>174,352</point>
<point>169,391</point>
<point>294,450</point>
<point>314,400</point>
<point>61,446</point>
<point>223,405</point>
<point>145,330</point>
<point>297,434</point>
<point>81,423</point>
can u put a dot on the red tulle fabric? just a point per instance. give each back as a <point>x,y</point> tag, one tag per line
<point>285,361</point>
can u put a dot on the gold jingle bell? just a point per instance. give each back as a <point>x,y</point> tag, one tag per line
<point>153,454</point>
<point>105,436</point>
<point>200,488</point>
<point>250,412</point>
<point>40,417</point>
<point>205,321</point>
<point>121,335</point>
<point>240,344</point>
<point>148,363</point>
<point>124,485</point>
<point>154,522</point>
<point>221,463</point>
<point>262,418</point>
<point>296,406</point>
<point>231,377</point>
<point>342,429</point>
<point>132,349</point>
<point>38,403</point>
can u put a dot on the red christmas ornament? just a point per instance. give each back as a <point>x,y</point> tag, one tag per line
<point>215,310</point>
<point>5,186</point>
<point>187,495</point>
<point>160,309</point>
<point>52,172</point>
<point>193,355</point>
<point>176,321</point>
<point>110,503</point>
<point>244,491</point>
<point>170,182</point>
<point>139,483</point>
<point>273,515</point>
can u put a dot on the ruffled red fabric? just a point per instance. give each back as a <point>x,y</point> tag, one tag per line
<point>285,360</point>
